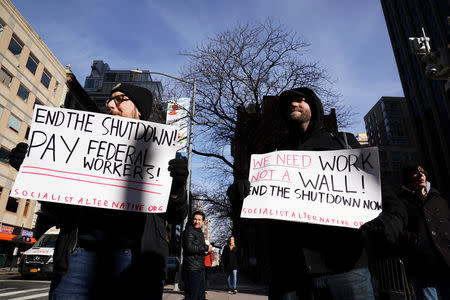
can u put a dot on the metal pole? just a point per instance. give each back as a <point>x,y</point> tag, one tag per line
<point>188,184</point>
<point>191,133</point>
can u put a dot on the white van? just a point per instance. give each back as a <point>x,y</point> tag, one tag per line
<point>38,260</point>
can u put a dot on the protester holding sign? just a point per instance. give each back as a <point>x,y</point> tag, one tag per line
<point>326,262</point>
<point>111,253</point>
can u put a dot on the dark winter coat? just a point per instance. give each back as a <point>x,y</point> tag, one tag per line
<point>313,249</point>
<point>194,248</point>
<point>229,258</point>
<point>425,243</point>
<point>102,230</point>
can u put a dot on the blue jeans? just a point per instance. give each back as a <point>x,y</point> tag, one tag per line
<point>91,275</point>
<point>353,285</point>
<point>233,274</point>
<point>427,291</point>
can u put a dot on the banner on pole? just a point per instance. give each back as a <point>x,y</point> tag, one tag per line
<point>97,160</point>
<point>337,188</point>
<point>177,114</point>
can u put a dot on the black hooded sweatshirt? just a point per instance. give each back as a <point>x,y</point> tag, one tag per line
<point>310,248</point>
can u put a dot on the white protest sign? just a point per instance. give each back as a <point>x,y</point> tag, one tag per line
<point>97,160</point>
<point>177,114</point>
<point>337,188</point>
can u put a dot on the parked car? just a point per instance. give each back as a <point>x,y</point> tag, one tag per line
<point>38,260</point>
<point>172,267</point>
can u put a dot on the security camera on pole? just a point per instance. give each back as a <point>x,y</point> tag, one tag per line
<point>437,62</point>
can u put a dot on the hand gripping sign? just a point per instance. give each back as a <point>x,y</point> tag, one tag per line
<point>97,160</point>
<point>337,188</point>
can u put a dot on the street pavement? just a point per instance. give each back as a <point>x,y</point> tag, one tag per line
<point>247,289</point>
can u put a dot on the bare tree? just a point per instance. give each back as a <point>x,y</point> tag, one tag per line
<point>237,67</point>
<point>218,210</point>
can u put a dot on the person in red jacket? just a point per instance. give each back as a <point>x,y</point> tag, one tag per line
<point>208,269</point>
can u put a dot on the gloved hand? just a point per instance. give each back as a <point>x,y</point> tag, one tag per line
<point>238,190</point>
<point>17,155</point>
<point>373,226</point>
<point>179,172</point>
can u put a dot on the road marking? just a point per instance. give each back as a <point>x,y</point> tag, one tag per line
<point>16,280</point>
<point>4,289</point>
<point>22,292</point>
<point>30,297</point>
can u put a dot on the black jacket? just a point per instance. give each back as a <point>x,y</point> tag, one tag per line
<point>194,248</point>
<point>105,229</point>
<point>310,249</point>
<point>425,243</point>
<point>229,259</point>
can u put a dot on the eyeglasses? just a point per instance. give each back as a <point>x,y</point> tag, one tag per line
<point>117,99</point>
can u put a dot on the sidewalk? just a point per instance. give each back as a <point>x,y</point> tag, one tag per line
<point>218,289</point>
<point>5,271</point>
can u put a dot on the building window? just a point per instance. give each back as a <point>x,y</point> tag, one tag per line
<point>46,77</point>
<point>15,45</point>
<point>23,93</point>
<point>110,77</point>
<point>14,123</point>
<point>37,101</point>
<point>89,83</point>
<point>12,204</point>
<point>5,77</point>
<point>32,63</point>
<point>27,206</point>
<point>4,155</point>
<point>1,111</point>
<point>2,26</point>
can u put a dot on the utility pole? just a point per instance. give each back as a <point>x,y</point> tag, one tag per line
<point>188,183</point>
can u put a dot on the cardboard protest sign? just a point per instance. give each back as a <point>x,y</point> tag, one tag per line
<point>337,188</point>
<point>97,160</point>
<point>177,114</point>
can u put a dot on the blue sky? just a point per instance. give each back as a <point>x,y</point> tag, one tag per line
<point>349,38</point>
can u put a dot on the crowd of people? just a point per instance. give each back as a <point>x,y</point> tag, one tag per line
<point>97,257</point>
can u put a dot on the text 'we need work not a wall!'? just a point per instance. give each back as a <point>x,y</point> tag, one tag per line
<point>97,160</point>
<point>337,188</point>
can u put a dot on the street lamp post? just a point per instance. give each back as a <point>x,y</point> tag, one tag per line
<point>188,185</point>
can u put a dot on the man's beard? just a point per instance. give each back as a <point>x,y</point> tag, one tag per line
<point>299,118</point>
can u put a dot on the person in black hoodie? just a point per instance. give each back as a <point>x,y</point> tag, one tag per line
<point>110,254</point>
<point>425,242</point>
<point>195,249</point>
<point>325,262</point>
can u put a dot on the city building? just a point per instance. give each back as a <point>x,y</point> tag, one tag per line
<point>427,97</point>
<point>102,79</point>
<point>29,74</point>
<point>363,139</point>
<point>389,126</point>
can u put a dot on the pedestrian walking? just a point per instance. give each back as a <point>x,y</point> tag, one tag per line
<point>230,259</point>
